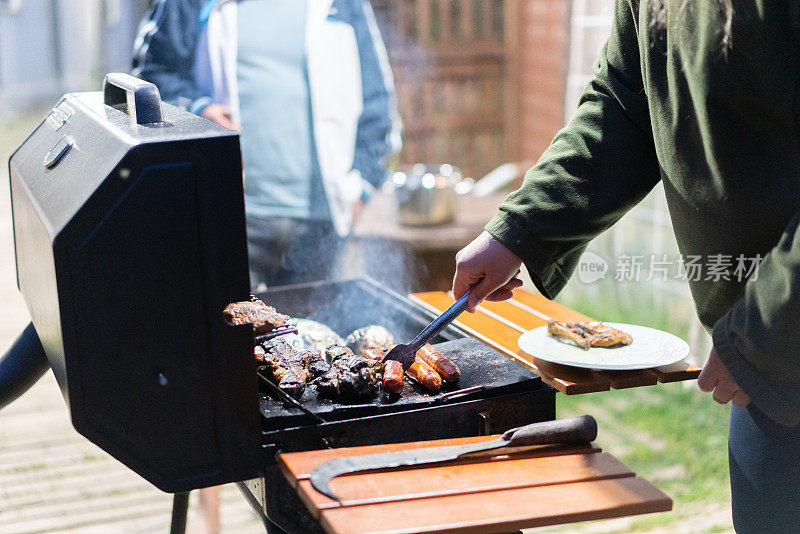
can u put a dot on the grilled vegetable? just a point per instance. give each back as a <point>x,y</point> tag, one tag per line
<point>321,335</point>
<point>369,336</point>
<point>299,341</point>
<point>449,371</point>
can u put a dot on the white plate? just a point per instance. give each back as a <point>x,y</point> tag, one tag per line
<point>650,348</point>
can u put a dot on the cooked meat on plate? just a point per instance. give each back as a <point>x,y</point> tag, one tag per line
<point>587,334</point>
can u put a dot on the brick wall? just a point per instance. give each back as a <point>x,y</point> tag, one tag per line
<point>543,64</point>
<point>479,82</point>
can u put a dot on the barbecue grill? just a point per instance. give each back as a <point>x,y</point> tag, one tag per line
<point>130,240</point>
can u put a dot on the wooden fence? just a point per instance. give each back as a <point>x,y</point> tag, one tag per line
<point>462,78</point>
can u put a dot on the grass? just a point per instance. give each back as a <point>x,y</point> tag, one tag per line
<point>672,434</point>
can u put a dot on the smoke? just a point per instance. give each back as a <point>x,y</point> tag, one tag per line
<point>384,260</point>
<point>311,252</point>
<point>387,261</point>
<point>348,306</point>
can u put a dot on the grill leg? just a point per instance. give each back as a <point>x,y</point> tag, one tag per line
<point>180,509</point>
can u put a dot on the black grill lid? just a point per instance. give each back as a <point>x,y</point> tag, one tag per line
<point>130,240</point>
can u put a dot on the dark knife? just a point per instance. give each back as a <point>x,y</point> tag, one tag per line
<point>405,354</point>
<point>574,430</point>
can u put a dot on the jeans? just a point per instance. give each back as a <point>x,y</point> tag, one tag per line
<point>284,250</point>
<point>764,459</point>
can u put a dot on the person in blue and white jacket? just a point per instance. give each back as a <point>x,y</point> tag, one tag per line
<point>308,84</point>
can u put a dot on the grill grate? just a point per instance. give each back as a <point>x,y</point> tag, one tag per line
<point>279,394</point>
<point>494,393</point>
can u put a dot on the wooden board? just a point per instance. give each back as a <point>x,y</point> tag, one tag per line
<point>463,478</point>
<point>535,487</point>
<point>298,465</point>
<point>499,325</point>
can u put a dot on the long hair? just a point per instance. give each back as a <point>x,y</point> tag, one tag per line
<point>660,10</point>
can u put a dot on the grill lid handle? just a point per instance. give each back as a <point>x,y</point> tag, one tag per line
<point>142,98</point>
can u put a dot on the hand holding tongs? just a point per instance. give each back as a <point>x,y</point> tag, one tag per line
<point>405,354</point>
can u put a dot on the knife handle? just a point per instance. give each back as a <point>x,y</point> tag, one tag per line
<point>581,429</point>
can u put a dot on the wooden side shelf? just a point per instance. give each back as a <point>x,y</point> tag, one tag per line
<point>500,324</point>
<point>537,486</point>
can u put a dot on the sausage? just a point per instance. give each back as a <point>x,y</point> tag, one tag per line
<point>373,353</point>
<point>425,375</point>
<point>449,371</point>
<point>392,376</point>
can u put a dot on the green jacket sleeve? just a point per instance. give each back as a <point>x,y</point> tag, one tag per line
<point>758,340</point>
<point>597,168</point>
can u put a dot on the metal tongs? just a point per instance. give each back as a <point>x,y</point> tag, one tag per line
<point>405,354</point>
<point>279,331</point>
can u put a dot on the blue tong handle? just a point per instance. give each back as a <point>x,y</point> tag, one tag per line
<point>440,323</point>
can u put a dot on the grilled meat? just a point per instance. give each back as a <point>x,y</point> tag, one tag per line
<point>261,356</point>
<point>286,369</point>
<point>328,384</point>
<point>337,352</point>
<point>369,336</point>
<point>289,368</point>
<point>449,371</point>
<point>373,353</point>
<point>263,318</point>
<point>393,377</point>
<point>316,364</point>
<point>424,375</point>
<point>281,346</point>
<point>349,376</point>
<point>588,334</point>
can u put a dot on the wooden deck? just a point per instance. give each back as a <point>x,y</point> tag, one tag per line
<point>54,480</point>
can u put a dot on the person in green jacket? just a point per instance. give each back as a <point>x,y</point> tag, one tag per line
<point>704,97</point>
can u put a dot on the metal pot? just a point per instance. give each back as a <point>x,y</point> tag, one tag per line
<point>425,195</point>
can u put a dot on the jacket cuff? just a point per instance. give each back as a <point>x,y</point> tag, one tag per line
<point>197,106</point>
<point>545,272</point>
<point>371,169</point>
<point>367,190</point>
<point>765,395</point>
